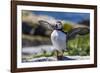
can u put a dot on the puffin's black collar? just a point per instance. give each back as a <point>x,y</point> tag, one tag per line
<point>62,31</point>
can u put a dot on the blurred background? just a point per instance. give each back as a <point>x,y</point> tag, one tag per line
<point>36,41</point>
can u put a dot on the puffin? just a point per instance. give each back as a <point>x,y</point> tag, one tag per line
<point>59,38</point>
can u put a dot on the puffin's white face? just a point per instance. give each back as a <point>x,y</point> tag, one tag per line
<point>58,25</point>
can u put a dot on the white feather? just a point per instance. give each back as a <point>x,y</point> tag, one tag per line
<point>58,39</point>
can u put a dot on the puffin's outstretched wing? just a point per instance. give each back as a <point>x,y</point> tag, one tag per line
<point>77,31</point>
<point>46,24</point>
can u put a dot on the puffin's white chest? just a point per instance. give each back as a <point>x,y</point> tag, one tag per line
<point>58,39</point>
<point>58,35</point>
